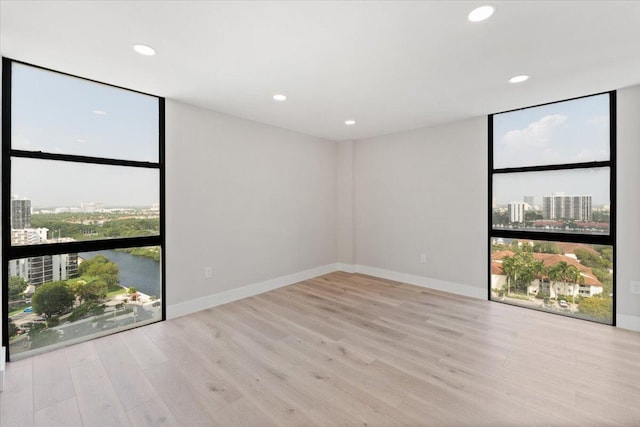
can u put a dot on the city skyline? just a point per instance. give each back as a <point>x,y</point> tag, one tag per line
<point>515,186</point>
<point>80,205</point>
<point>47,183</point>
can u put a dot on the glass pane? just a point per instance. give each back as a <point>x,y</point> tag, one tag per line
<point>64,299</point>
<point>572,279</point>
<point>566,201</point>
<point>56,113</point>
<point>63,201</point>
<point>565,132</point>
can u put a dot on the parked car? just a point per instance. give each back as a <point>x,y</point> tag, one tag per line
<point>28,310</point>
<point>563,303</point>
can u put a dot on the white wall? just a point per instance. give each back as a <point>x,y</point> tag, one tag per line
<point>345,205</point>
<point>255,202</point>
<point>424,192</point>
<point>628,203</point>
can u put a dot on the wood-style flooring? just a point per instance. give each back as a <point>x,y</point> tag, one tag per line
<point>338,350</point>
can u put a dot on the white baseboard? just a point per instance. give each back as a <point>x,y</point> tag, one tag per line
<point>347,268</point>
<point>192,306</point>
<point>176,310</point>
<point>626,321</point>
<point>425,282</point>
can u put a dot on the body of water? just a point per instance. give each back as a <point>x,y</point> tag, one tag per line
<point>135,271</point>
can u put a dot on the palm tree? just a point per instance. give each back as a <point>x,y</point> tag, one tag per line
<point>574,274</point>
<point>540,272</point>
<point>522,268</point>
<point>558,273</point>
<point>509,267</point>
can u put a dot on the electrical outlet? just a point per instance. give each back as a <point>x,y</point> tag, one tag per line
<point>208,272</point>
<point>634,287</point>
<point>423,258</point>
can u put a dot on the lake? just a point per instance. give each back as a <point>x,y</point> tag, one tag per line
<point>135,271</point>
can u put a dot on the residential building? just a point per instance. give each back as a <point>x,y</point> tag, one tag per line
<point>20,213</point>
<point>516,211</point>
<point>28,236</point>
<point>559,206</point>
<point>588,286</point>
<point>43,269</point>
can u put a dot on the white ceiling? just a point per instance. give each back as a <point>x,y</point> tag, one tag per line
<point>391,66</point>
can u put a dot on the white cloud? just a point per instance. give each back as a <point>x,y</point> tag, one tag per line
<point>536,134</point>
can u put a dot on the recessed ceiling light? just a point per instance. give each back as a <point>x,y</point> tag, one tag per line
<point>143,49</point>
<point>481,13</point>
<point>349,122</point>
<point>279,97</point>
<point>99,112</point>
<point>519,79</point>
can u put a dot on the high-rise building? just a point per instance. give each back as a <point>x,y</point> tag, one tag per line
<point>20,213</point>
<point>41,269</point>
<point>529,200</point>
<point>559,206</point>
<point>28,236</point>
<point>516,211</point>
<point>47,268</point>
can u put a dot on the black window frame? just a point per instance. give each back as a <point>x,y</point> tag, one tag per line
<point>595,239</point>
<point>10,252</point>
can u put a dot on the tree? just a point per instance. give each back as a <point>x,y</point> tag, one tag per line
<point>101,267</point>
<point>558,273</point>
<point>597,308</point>
<point>17,286</point>
<point>607,253</point>
<point>13,329</point>
<point>510,270</point>
<point>546,248</point>
<point>52,298</point>
<point>89,291</point>
<point>521,269</point>
<point>606,278</point>
<point>531,215</point>
<point>108,272</point>
<point>574,276</point>
<point>589,259</point>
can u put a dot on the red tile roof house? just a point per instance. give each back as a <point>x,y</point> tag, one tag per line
<point>591,286</point>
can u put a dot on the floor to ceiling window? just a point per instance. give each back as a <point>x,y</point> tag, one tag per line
<point>552,207</point>
<point>82,209</point>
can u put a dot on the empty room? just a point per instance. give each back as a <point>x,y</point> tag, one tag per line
<point>320,213</point>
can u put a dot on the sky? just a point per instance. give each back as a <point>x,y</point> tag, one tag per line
<point>56,113</point>
<point>65,184</point>
<point>565,132</point>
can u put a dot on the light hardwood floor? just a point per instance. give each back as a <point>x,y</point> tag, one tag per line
<point>338,350</point>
